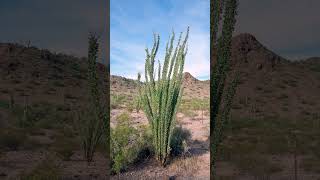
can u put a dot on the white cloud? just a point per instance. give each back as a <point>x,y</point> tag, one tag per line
<point>130,38</point>
<point>197,60</point>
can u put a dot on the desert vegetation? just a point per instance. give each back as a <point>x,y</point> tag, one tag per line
<point>91,123</point>
<point>222,14</point>
<point>152,120</point>
<point>161,97</point>
<point>42,135</point>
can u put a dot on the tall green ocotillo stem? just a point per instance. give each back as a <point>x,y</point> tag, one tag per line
<point>162,91</point>
<point>91,123</point>
<point>222,12</point>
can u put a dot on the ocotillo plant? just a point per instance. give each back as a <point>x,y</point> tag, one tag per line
<point>161,97</point>
<point>137,104</point>
<point>222,12</point>
<point>91,124</point>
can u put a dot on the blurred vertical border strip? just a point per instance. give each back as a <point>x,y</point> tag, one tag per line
<point>108,85</point>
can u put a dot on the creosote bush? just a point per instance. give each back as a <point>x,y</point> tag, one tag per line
<point>12,139</point>
<point>179,137</point>
<point>128,145</point>
<point>117,100</point>
<point>47,169</point>
<point>161,96</point>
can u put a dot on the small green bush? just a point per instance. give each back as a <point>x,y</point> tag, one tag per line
<point>4,104</point>
<point>64,147</point>
<point>310,165</point>
<point>58,83</point>
<point>12,139</point>
<point>189,113</point>
<point>47,169</point>
<point>257,164</point>
<point>123,118</point>
<point>117,100</point>
<point>40,115</point>
<point>130,107</point>
<point>128,145</point>
<point>179,136</point>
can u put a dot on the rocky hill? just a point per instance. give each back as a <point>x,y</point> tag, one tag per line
<point>193,88</point>
<point>270,84</point>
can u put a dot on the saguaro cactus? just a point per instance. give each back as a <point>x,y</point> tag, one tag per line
<point>161,97</point>
<point>222,12</point>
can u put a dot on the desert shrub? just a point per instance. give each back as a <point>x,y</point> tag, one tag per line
<point>90,129</point>
<point>283,96</point>
<point>4,104</point>
<point>120,137</point>
<point>257,165</point>
<point>189,106</point>
<point>178,140</point>
<point>123,118</point>
<point>68,131</point>
<point>130,107</point>
<point>64,146</point>
<point>128,145</point>
<point>58,83</point>
<point>42,115</point>
<point>75,67</point>
<point>195,104</point>
<point>65,151</point>
<point>310,165</point>
<point>137,103</point>
<point>12,139</point>
<point>117,100</point>
<point>45,170</point>
<point>33,144</point>
<point>189,113</point>
<point>69,96</point>
<point>315,67</point>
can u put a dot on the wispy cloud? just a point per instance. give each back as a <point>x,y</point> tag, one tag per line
<point>133,25</point>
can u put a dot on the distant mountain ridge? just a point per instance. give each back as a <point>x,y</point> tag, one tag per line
<point>192,86</point>
<point>269,83</point>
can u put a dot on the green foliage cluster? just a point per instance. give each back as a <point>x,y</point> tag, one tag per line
<point>64,147</point>
<point>195,104</point>
<point>222,22</point>
<point>161,97</point>
<point>178,141</point>
<point>12,139</point>
<point>42,115</point>
<point>250,143</point>
<point>117,100</point>
<point>134,105</point>
<point>189,106</point>
<point>128,145</point>
<point>4,104</point>
<point>45,170</point>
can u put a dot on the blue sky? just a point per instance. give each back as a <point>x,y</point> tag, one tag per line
<point>132,24</point>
